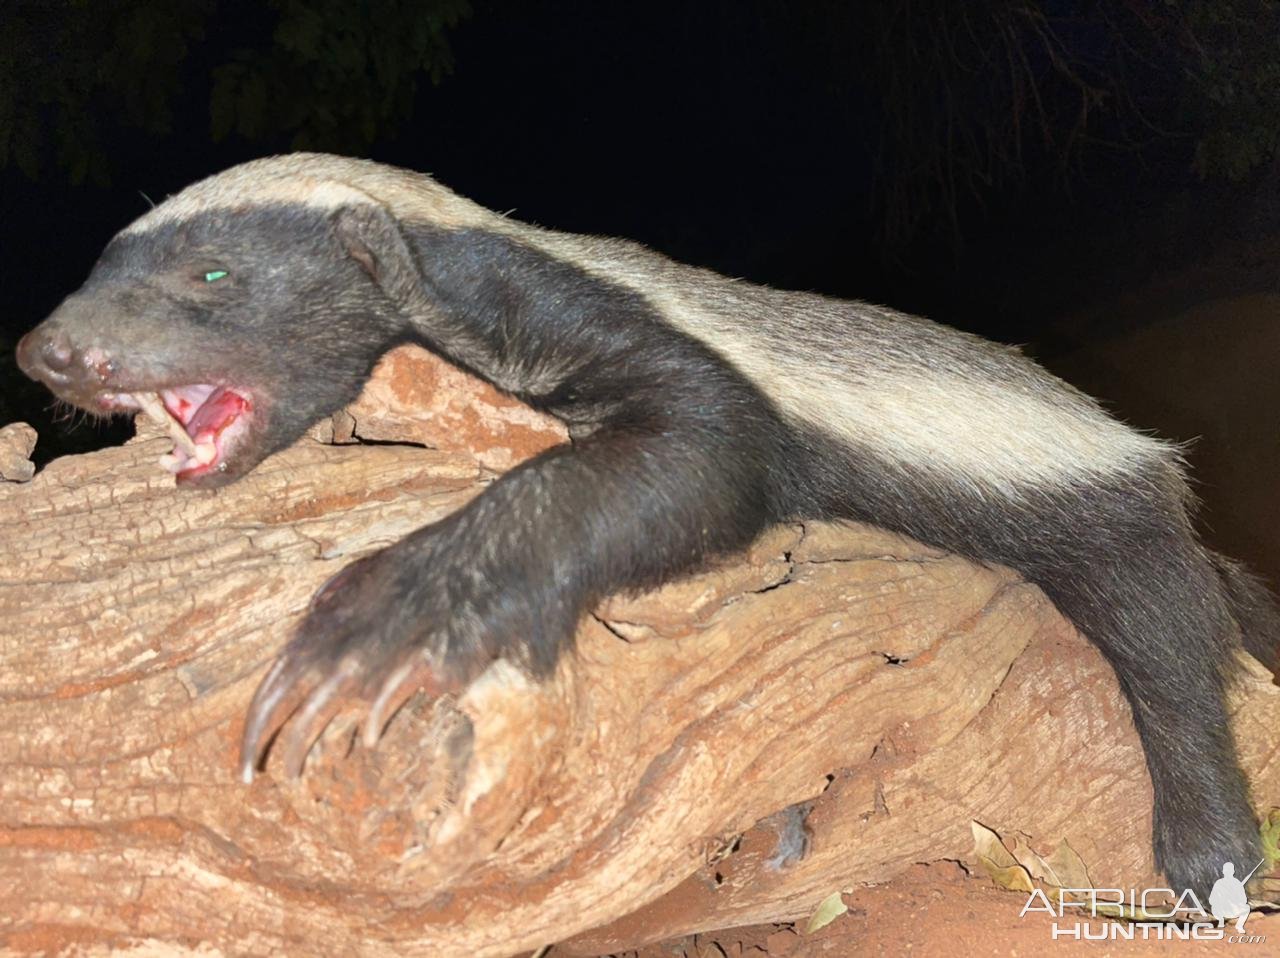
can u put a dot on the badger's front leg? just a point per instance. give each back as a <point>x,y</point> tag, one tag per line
<point>642,499</point>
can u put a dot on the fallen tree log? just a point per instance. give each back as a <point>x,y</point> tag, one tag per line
<point>902,691</point>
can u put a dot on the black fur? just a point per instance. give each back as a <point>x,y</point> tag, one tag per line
<point>678,458</point>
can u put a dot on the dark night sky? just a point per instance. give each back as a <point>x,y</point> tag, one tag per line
<point>713,141</point>
<point>726,134</point>
<point>720,135</point>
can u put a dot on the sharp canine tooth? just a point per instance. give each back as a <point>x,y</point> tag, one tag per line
<point>153,407</point>
<point>171,463</point>
<point>206,452</point>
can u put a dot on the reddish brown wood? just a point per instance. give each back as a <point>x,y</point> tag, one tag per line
<point>905,691</point>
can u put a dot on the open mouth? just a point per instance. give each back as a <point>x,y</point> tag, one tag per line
<point>204,422</point>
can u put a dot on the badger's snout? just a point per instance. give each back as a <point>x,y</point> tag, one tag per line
<point>77,375</point>
<point>45,356</point>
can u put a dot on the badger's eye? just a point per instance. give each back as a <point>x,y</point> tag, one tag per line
<point>214,275</point>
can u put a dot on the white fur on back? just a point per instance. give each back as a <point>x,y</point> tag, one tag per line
<point>320,181</point>
<point>914,392</point>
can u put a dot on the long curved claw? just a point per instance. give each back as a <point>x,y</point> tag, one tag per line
<point>400,686</point>
<point>314,716</point>
<point>300,693</point>
<point>285,688</point>
<point>271,706</point>
<point>349,651</point>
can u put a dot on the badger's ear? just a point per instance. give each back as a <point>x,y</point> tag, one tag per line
<point>370,235</point>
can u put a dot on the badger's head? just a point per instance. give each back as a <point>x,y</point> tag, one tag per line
<point>252,304</point>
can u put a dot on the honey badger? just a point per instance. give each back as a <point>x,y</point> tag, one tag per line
<point>701,409</point>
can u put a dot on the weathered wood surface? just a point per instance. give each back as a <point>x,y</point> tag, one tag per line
<point>905,691</point>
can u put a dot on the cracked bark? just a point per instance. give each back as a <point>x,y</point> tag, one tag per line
<point>621,802</point>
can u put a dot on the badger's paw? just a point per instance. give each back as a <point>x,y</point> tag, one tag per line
<point>373,637</point>
<point>1194,843</point>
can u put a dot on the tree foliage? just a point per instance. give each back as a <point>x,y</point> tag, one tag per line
<point>971,99</point>
<point>70,70</point>
<point>337,73</point>
<point>1233,50</point>
<point>320,73</point>
<point>975,97</point>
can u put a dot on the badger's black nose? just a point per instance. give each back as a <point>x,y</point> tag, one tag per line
<point>45,356</point>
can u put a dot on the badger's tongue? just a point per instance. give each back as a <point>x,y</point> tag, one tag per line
<point>215,414</point>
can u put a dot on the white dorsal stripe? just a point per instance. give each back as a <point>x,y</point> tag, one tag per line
<point>317,181</point>
<point>916,393</point>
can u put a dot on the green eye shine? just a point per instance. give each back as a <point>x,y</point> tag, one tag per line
<point>214,275</point>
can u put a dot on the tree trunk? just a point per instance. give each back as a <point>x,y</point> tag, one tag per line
<point>902,691</point>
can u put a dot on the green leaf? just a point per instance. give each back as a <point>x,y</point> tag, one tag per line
<point>828,910</point>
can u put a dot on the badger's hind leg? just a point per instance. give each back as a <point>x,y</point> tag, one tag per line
<point>1118,557</point>
<point>1160,609</point>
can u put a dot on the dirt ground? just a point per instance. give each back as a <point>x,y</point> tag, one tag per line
<point>939,910</point>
